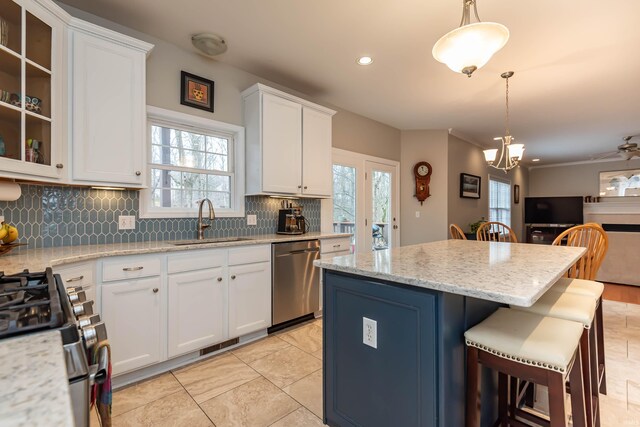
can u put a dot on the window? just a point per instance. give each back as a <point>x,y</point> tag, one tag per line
<point>500,201</point>
<point>190,159</point>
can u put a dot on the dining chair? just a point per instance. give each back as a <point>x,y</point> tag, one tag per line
<point>456,232</point>
<point>494,231</point>
<point>591,236</point>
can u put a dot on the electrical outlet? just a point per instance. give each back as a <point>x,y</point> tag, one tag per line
<point>252,220</point>
<point>417,214</point>
<point>126,222</point>
<point>369,332</point>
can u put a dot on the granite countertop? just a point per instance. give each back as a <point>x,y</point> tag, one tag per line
<point>39,259</point>
<point>34,389</point>
<point>510,273</point>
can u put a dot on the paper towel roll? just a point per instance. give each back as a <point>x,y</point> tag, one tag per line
<point>9,191</point>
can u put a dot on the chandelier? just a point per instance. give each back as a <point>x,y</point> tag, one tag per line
<point>470,46</point>
<point>510,154</point>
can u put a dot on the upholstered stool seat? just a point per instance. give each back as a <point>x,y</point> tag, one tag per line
<point>564,305</point>
<point>527,338</point>
<point>525,345</point>
<point>579,286</point>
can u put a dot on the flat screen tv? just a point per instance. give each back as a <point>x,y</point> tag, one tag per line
<point>553,210</point>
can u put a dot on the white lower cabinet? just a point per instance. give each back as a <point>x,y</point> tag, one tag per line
<point>132,312</point>
<point>196,310</point>
<point>249,298</point>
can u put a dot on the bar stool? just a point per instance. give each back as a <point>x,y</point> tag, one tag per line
<point>528,346</point>
<point>579,308</point>
<point>593,237</point>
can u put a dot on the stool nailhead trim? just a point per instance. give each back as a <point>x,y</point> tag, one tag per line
<point>562,370</point>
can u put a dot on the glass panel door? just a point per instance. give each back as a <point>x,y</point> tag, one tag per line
<point>345,200</point>
<point>381,206</point>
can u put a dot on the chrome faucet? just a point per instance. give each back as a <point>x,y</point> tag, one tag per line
<point>212,216</point>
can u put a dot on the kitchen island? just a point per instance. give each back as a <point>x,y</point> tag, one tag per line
<point>421,299</point>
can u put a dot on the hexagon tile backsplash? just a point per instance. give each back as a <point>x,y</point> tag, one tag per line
<point>48,216</point>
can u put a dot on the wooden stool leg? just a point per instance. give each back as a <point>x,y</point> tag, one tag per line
<point>557,414</point>
<point>594,372</point>
<point>514,391</point>
<point>503,393</point>
<point>578,396</point>
<point>602,370</point>
<point>586,373</point>
<point>472,387</point>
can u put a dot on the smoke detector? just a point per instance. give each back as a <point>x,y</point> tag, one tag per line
<point>209,44</point>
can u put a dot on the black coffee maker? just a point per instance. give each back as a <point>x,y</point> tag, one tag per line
<point>290,220</point>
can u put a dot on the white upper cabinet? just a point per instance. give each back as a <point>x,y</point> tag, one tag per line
<point>108,106</point>
<point>288,144</point>
<point>32,91</point>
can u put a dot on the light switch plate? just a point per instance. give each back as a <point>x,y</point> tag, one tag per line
<point>252,220</point>
<point>126,222</point>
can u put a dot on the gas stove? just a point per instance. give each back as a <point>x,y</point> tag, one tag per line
<point>35,302</point>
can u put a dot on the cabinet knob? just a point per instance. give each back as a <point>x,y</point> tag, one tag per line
<point>233,277</point>
<point>138,173</point>
<point>219,279</point>
<point>59,165</point>
<point>305,187</point>
<point>155,290</point>
<point>299,186</point>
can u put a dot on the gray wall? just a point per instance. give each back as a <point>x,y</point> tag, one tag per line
<point>573,180</point>
<point>429,146</point>
<point>350,131</point>
<point>467,158</point>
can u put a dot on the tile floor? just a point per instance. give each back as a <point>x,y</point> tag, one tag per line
<point>277,382</point>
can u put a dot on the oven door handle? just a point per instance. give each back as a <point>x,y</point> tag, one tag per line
<point>98,373</point>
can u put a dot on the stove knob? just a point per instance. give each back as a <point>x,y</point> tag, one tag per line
<point>83,309</point>
<point>88,320</point>
<point>93,334</point>
<point>76,297</point>
<point>74,288</point>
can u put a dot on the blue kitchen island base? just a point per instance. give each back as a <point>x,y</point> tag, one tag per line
<point>416,375</point>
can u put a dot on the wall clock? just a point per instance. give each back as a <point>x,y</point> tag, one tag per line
<point>422,172</point>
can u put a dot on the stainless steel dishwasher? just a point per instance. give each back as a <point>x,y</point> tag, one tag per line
<point>294,279</point>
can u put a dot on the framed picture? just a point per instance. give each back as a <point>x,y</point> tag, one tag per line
<point>469,186</point>
<point>624,183</point>
<point>196,92</point>
<point>516,194</point>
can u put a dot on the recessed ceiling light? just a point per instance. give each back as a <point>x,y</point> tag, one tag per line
<point>364,60</point>
<point>535,160</point>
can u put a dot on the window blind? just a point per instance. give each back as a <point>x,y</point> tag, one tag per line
<point>500,201</point>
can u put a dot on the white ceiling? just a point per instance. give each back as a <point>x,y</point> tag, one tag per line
<point>575,94</point>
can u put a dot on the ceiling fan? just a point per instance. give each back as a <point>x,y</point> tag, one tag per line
<point>627,151</point>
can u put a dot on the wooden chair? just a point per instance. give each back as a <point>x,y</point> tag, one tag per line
<point>496,232</point>
<point>456,232</point>
<point>590,236</point>
<point>593,237</point>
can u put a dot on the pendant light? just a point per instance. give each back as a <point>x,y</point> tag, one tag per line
<point>510,154</point>
<point>470,46</point>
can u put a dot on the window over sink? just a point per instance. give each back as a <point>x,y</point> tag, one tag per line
<point>189,159</point>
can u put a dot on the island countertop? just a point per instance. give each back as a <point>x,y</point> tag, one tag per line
<point>509,273</point>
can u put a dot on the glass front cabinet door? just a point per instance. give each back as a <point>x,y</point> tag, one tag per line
<point>31,89</point>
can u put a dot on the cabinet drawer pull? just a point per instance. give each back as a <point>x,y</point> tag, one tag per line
<point>75,279</point>
<point>138,173</point>
<point>233,277</point>
<point>155,290</point>
<point>219,279</point>
<point>336,246</point>
<point>132,268</point>
<point>59,165</point>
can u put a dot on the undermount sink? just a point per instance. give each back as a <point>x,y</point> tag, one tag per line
<point>213,240</point>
